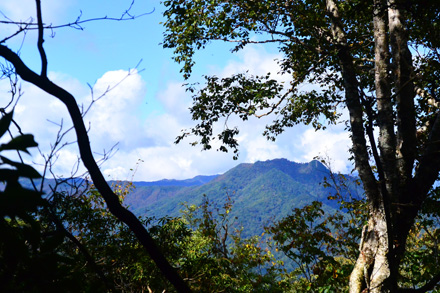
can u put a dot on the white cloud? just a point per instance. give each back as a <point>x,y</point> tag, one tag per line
<point>260,149</point>
<point>117,173</point>
<point>115,118</point>
<point>171,162</point>
<point>166,160</point>
<point>112,119</point>
<point>332,143</point>
<point>175,100</point>
<point>163,129</point>
<point>257,61</point>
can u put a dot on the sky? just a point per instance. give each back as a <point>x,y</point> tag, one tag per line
<point>138,105</point>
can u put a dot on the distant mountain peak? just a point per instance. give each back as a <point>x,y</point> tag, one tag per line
<point>293,167</point>
<point>261,192</point>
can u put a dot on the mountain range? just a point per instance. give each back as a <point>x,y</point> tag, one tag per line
<point>261,192</point>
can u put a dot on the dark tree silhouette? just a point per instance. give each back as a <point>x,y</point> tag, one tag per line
<point>43,82</point>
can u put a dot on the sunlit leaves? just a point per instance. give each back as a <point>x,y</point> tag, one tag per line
<point>300,28</point>
<point>240,94</point>
<point>221,258</point>
<point>322,245</point>
<point>421,258</point>
<point>244,96</point>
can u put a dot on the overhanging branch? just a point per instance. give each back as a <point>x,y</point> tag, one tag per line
<point>104,189</point>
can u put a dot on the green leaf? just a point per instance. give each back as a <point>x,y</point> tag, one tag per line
<point>8,174</point>
<point>16,200</point>
<point>20,143</point>
<point>5,122</point>
<point>22,169</point>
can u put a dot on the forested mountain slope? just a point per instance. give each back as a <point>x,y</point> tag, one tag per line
<point>261,192</point>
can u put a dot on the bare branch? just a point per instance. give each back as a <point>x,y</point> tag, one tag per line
<point>41,40</point>
<point>111,199</point>
<point>244,42</point>
<point>24,26</point>
<point>77,24</point>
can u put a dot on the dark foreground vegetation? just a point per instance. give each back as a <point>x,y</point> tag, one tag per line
<point>376,61</point>
<point>68,239</point>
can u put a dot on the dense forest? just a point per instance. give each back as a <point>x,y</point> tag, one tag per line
<point>261,193</point>
<point>375,65</point>
<point>71,235</point>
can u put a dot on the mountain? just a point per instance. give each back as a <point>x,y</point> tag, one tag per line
<point>196,181</point>
<point>262,192</point>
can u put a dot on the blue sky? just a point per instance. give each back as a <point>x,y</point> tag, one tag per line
<point>147,109</point>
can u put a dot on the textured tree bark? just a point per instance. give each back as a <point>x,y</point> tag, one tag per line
<point>405,92</point>
<point>400,190</point>
<point>372,270</point>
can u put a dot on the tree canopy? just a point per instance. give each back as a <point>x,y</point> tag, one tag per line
<point>378,60</point>
<point>13,66</point>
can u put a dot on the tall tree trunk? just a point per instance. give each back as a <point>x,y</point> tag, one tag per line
<point>372,270</point>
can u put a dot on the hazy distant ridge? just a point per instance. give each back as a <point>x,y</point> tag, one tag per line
<point>196,181</point>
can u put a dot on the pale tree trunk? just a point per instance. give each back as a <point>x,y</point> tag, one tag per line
<point>372,268</point>
<point>396,196</point>
<point>373,271</point>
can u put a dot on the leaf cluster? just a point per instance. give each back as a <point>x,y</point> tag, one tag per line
<point>28,254</point>
<point>301,30</point>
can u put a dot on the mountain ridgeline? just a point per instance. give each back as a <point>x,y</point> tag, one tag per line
<point>261,193</point>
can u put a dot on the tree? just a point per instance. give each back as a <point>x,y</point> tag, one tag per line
<point>113,246</point>
<point>379,60</point>
<point>324,245</point>
<point>218,258</point>
<point>13,64</point>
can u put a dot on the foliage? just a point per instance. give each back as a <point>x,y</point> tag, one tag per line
<point>114,247</point>
<point>224,260</point>
<point>205,243</point>
<point>322,245</point>
<point>421,259</point>
<point>378,60</point>
<point>193,25</point>
<point>197,244</point>
<point>28,254</point>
